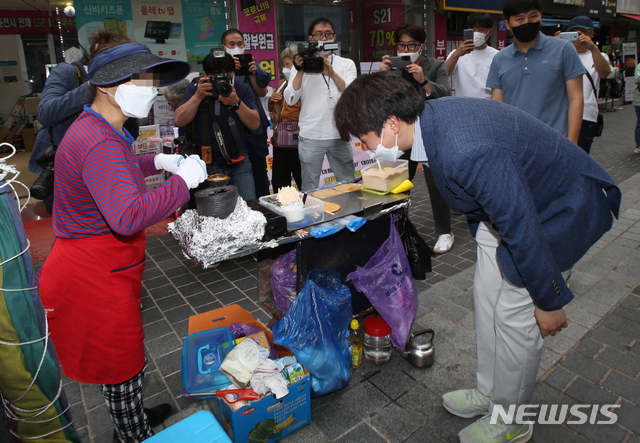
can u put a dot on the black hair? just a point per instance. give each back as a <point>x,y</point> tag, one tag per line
<point>371,99</point>
<point>229,32</point>
<point>515,7</point>
<point>320,20</point>
<point>414,31</point>
<point>480,19</point>
<point>228,64</point>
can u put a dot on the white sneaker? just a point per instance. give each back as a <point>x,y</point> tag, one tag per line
<point>466,403</point>
<point>482,431</point>
<point>637,150</point>
<point>444,244</point>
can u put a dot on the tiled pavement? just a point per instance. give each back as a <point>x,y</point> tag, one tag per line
<point>595,361</point>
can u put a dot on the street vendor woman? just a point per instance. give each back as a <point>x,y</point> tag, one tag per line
<point>535,203</point>
<point>91,281</point>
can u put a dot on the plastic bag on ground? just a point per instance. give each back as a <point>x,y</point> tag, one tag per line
<point>284,280</point>
<point>387,282</point>
<point>316,327</point>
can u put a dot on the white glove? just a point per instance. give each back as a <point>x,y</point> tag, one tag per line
<point>192,170</point>
<point>167,163</point>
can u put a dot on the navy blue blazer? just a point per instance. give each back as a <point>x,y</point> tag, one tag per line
<point>547,198</point>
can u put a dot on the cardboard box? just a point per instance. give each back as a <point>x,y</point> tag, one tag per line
<point>269,419</point>
<point>29,138</point>
<point>6,128</point>
<point>149,142</point>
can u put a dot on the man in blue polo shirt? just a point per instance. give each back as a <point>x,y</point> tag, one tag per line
<point>539,74</point>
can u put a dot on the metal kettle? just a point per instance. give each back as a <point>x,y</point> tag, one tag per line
<point>419,349</point>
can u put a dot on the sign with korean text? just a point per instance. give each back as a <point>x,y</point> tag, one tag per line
<point>257,22</point>
<point>111,15</point>
<point>159,25</point>
<point>501,35</point>
<point>379,22</point>
<point>204,23</point>
<point>440,31</point>
<point>33,22</point>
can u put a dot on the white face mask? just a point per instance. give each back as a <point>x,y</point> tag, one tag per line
<point>382,153</point>
<point>234,51</point>
<point>286,72</point>
<point>413,55</point>
<point>479,38</point>
<point>135,101</point>
<point>321,44</point>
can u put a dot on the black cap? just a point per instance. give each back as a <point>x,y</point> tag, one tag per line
<point>581,21</point>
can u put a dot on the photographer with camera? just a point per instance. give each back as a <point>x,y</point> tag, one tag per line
<point>65,93</point>
<point>319,91</point>
<point>249,73</point>
<point>220,110</point>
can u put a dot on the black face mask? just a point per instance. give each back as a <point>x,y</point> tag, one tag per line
<point>527,32</point>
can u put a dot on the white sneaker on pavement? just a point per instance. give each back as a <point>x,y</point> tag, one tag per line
<point>637,150</point>
<point>482,431</point>
<point>444,244</point>
<point>466,403</point>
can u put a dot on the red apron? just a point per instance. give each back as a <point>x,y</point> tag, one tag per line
<point>90,289</point>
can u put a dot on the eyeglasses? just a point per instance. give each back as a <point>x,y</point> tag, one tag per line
<point>327,34</point>
<point>410,46</point>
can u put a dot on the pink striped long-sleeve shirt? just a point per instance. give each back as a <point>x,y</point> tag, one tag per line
<point>99,183</point>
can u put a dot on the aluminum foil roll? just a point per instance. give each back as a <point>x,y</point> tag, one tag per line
<point>209,240</point>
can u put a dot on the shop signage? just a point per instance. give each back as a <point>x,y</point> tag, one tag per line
<point>158,24</point>
<point>595,9</point>
<point>440,30</point>
<point>33,22</point>
<point>204,24</point>
<point>379,23</point>
<point>256,21</point>
<point>491,6</point>
<point>630,57</point>
<point>94,15</point>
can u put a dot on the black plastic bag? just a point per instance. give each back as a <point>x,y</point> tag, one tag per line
<point>418,251</point>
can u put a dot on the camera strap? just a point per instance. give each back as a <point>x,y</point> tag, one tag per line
<point>206,141</point>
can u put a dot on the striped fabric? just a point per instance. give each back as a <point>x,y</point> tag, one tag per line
<point>99,183</point>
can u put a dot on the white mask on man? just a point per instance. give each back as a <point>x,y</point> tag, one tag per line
<point>382,153</point>
<point>135,101</point>
<point>479,38</point>
<point>234,51</point>
<point>413,55</point>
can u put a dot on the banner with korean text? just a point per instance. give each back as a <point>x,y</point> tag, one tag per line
<point>158,24</point>
<point>204,23</point>
<point>33,22</point>
<point>95,15</point>
<point>379,23</point>
<point>257,22</point>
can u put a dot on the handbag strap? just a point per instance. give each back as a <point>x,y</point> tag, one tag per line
<point>592,84</point>
<point>284,85</point>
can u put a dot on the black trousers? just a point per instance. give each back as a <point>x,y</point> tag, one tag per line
<point>285,164</point>
<point>587,132</point>
<point>441,211</point>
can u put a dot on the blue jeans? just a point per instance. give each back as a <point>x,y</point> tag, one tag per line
<point>241,175</point>
<point>637,126</point>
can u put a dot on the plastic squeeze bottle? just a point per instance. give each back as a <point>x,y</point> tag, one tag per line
<point>356,344</point>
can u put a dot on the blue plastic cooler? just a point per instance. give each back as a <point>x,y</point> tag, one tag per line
<point>200,427</point>
<point>202,355</point>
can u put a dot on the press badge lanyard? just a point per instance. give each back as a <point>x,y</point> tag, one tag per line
<point>330,100</point>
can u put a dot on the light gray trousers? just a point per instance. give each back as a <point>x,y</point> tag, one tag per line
<point>509,340</point>
<point>312,152</point>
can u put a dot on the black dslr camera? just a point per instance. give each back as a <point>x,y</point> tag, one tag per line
<point>311,62</point>
<point>221,82</point>
<point>43,186</point>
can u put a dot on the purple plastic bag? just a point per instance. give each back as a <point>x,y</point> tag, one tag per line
<point>284,280</point>
<point>241,330</point>
<point>387,282</point>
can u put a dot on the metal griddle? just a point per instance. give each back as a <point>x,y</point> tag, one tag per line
<point>358,201</point>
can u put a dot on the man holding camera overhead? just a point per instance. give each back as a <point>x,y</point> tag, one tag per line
<point>319,92</point>
<point>220,110</point>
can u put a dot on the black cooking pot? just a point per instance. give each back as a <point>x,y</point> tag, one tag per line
<point>217,202</point>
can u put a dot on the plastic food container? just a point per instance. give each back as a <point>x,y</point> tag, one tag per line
<point>377,340</point>
<point>202,354</point>
<point>297,215</point>
<point>392,174</point>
